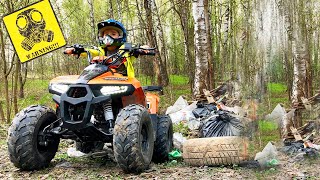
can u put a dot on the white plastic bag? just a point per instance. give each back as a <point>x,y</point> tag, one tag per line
<point>178,140</point>
<point>277,113</point>
<point>268,153</point>
<point>72,152</point>
<point>184,114</point>
<point>177,106</point>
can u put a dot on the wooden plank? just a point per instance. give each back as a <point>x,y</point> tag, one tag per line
<point>296,134</point>
<point>208,96</point>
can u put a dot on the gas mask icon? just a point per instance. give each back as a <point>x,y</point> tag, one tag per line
<point>32,26</point>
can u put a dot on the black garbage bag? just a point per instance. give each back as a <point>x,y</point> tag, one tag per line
<point>292,147</point>
<point>203,110</point>
<point>221,124</point>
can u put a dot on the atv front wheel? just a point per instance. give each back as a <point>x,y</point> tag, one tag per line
<point>29,147</point>
<point>133,139</point>
<point>163,143</point>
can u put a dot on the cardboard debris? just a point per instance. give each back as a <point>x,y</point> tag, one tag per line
<point>296,134</point>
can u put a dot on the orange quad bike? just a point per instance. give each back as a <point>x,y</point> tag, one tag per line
<point>97,107</point>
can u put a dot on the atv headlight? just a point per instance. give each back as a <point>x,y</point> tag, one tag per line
<point>107,90</point>
<point>61,88</point>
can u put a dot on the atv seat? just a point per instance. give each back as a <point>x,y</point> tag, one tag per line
<point>153,88</point>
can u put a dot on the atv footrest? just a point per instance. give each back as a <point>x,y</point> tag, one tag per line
<point>152,88</point>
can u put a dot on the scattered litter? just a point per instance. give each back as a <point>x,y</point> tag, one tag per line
<point>221,124</point>
<point>72,152</point>
<point>268,154</point>
<point>194,124</point>
<point>308,144</point>
<point>236,110</point>
<point>292,147</point>
<point>178,140</point>
<point>203,110</point>
<point>184,114</point>
<point>249,164</point>
<point>177,106</point>
<point>277,113</point>
<point>64,165</point>
<point>175,154</point>
<point>272,163</point>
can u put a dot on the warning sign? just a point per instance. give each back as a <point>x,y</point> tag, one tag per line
<point>34,30</point>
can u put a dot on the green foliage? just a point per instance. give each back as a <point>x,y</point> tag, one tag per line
<point>178,80</point>
<point>36,92</point>
<point>182,128</point>
<point>268,131</point>
<point>277,88</point>
<point>267,126</point>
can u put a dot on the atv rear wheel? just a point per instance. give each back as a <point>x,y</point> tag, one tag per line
<point>29,147</point>
<point>163,143</point>
<point>133,139</point>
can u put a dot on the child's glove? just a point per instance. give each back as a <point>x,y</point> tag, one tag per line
<point>98,59</point>
<point>76,49</point>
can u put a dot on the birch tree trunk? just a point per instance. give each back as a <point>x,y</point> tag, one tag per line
<point>201,78</point>
<point>209,44</point>
<point>296,31</point>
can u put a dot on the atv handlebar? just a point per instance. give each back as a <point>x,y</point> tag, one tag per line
<point>138,50</point>
<point>77,49</point>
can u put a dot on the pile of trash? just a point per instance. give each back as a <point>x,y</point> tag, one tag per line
<point>298,142</point>
<point>208,116</point>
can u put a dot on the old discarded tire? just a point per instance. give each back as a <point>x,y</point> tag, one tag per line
<point>133,139</point>
<point>163,143</point>
<point>87,147</point>
<point>215,151</point>
<point>24,136</point>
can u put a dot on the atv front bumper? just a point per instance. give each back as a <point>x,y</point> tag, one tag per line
<point>87,101</point>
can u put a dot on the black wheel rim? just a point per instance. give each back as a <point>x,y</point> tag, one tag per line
<point>144,139</point>
<point>44,136</point>
<point>169,136</point>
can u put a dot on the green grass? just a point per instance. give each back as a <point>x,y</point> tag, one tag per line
<point>277,88</point>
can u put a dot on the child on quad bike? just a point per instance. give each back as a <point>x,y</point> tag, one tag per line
<point>111,36</point>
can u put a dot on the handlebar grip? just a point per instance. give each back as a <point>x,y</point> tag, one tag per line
<point>147,52</point>
<point>68,51</point>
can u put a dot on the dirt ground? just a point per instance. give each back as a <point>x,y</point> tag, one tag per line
<point>64,167</point>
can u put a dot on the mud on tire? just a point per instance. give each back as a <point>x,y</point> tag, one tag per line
<point>133,139</point>
<point>215,151</point>
<point>163,144</point>
<point>24,149</point>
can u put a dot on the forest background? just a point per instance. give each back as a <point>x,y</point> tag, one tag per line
<point>258,43</point>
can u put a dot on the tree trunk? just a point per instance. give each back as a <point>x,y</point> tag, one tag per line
<point>15,85</point>
<point>92,23</point>
<point>182,9</point>
<point>5,73</point>
<point>163,50</point>
<point>296,31</point>
<point>119,10</point>
<point>23,79</point>
<point>1,113</point>
<point>209,45</point>
<point>111,13</point>
<point>201,78</point>
<point>152,40</point>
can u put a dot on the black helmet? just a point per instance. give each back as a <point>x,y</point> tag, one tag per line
<point>115,25</point>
